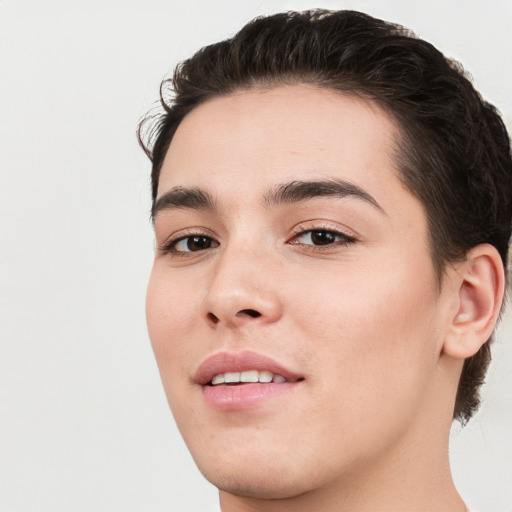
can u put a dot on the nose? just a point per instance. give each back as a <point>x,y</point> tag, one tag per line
<point>242,290</point>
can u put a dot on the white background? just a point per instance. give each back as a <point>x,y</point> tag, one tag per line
<point>84,424</point>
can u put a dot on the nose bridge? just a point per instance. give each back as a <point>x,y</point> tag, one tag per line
<point>241,288</point>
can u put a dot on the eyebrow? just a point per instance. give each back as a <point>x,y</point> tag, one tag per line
<point>180,197</point>
<point>196,198</point>
<point>297,191</point>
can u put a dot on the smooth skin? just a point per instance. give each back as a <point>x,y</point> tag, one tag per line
<point>345,293</point>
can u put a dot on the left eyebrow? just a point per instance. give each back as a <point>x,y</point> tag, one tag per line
<point>185,198</point>
<point>297,191</point>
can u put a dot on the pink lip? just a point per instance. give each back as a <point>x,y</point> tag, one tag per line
<point>242,396</point>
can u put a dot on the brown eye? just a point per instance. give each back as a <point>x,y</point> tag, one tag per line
<point>193,244</point>
<point>319,237</point>
<point>322,237</point>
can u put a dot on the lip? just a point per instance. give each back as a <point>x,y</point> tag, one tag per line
<point>247,395</point>
<point>223,362</point>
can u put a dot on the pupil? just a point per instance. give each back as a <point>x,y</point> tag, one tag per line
<point>197,243</point>
<point>322,237</point>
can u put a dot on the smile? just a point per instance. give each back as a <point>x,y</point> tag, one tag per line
<point>243,380</point>
<point>247,376</point>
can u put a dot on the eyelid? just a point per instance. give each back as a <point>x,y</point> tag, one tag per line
<point>166,246</point>
<point>344,239</point>
<point>308,226</point>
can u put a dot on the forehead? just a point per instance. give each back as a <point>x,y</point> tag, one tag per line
<point>250,140</point>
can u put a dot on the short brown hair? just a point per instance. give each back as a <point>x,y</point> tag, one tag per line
<point>454,150</point>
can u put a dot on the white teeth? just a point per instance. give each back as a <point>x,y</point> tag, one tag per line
<point>218,379</point>
<point>249,376</point>
<point>232,377</point>
<point>266,376</point>
<point>246,376</point>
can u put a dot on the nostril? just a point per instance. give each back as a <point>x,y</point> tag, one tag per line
<point>250,312</point>
<point>212,318</point>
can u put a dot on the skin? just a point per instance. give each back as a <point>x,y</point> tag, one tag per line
<point>361,319</point>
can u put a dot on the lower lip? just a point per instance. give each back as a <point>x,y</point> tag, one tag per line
<point>244,396</point>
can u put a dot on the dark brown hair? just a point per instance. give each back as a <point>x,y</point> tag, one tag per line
<point>453,153</point>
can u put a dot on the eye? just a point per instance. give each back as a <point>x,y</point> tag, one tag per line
<point>191,243</point>
<point>322,237</point>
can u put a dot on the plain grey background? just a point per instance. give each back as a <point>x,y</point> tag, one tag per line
<point>84,425</point>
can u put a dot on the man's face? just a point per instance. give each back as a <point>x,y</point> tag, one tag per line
<point>295,250</point>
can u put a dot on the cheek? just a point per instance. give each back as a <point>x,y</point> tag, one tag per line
<point>171,305</point>
<point>168,315</point>
<point>375,334</point>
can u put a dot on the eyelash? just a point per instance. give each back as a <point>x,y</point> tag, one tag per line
<point>169,246</point>
<point>302,230</point>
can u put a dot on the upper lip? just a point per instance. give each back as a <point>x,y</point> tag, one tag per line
<point>224,362</point>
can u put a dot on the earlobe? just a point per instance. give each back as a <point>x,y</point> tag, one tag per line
<point>480,289</point>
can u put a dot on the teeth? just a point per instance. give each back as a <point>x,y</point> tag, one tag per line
<point>218,379</point>
<point>266,376</point>
<point>247,376</point>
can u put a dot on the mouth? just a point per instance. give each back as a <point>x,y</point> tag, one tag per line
<point>247,376</point>
<point>243,380</point>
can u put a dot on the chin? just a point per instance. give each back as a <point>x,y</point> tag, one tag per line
<point>254,484</point>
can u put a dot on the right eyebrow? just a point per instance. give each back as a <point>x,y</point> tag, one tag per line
<point>297,191</point>
<point>182,197</point>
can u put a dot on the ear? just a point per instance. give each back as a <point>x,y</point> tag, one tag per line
<point>479,289</point>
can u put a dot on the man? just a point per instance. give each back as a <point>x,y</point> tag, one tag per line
<point>332,204</point>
